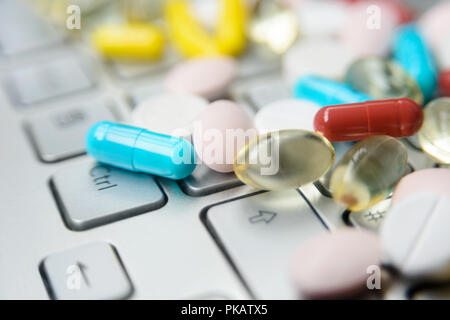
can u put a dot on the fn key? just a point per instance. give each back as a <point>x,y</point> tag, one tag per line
<point>93,194</point>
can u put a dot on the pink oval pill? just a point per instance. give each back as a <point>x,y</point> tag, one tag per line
<point>434,180</point>
<point>335,264</point>
<point>220,131</point>
<point>435,24</point>
<point>208,77</point>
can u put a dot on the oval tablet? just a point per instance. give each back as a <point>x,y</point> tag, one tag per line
<point>382,79</point>
<point>434,136</point>
<point>415,235</point>
<point>323,57</point>
<point>286,114</point>
<point>435,180</point>
<point>220,131</point>
<point>206,77</point>
<point>335,264</point>
<point>368,172</point>
<point>284,160</point>
<point>171,114</point>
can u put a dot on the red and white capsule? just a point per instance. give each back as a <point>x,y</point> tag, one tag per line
<point>357,121</point>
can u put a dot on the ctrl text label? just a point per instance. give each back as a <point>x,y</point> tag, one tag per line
<point>228,309</point>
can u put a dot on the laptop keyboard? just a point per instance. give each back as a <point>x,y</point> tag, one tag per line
<point>114,234</point>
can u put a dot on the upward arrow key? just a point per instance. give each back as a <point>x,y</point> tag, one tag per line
<point>263,215</point>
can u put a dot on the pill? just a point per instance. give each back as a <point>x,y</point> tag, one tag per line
<point>434,21</point>
<point>444,83</point>
<point>323,57</point>
<point>285,159</point>
<point>434,136</point>
<point>336,265</point>
<point>356,121</point>
<point>369,28</point>
<point>413,54</point>
<point>435,180</point>
<point>170,114</point>
<point>368,172</point>
<point>321,19</point>
<point>208,77</point>
<point>415,237</point>
<point>382,79</point>
<point>187,34</point>
<point>274,26</point>
<point>220,131</point>
<point>327,92</point>
<point>139,150</point>
<point>129,41</point>
<point>231,26</point>
<point>286,114</point>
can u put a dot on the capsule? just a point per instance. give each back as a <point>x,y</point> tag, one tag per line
<point>139,150</point>
<point>326,92</point>
<point>357,121</point>
<point>434,136</point>
<point>413,54</point>
<point>141,41</point>
<point>382,79</point>
<point>285,159</point>
<point>368,172</point>
<point>444,83</point>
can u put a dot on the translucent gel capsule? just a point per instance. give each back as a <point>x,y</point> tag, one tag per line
<point>129,41</point>
<point>284,159</point>
<point>434,136</point>
<point>382,79</point>
<point>368,172</point>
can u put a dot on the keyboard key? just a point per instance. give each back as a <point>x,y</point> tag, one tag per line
<point>254,63</point>
<point>37,83</point>
<point>260,234</point>
<point>370,219</point>
<point>261,92</point>
<point>22,31</point>
<point>60,134</point>
<point>90,195</point>
<point>204,181</point>
<point>139,94</point>
<point>92,271</point>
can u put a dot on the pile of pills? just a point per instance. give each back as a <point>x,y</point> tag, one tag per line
<point>362,71</point>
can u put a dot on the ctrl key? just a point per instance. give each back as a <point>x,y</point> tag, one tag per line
<point>92,271</point>
<point>93,194</point>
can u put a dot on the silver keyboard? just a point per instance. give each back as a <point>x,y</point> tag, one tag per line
<point>71,228</point>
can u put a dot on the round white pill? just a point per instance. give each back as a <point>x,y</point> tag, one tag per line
<point>286,114</point>
<point>415,235</point>
<point>171,114</point>
<point>323,57</point>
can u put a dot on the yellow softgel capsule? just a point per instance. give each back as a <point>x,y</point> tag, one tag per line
<point>231,27</point>
<point>285,159</point>
<point>368,172</point>
<point>137,41</point>
<point>188,36</point>
<point>434,136</point>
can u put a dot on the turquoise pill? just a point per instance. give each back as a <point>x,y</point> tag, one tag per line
<point>412,53</point>
<point>327,92</point>
<point>139,150</point>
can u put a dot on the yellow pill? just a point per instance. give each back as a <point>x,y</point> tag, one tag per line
<point>285,159</point>
<point>231,27</point>
<point>434,136</point>
<point>368,172</point>
<point>188,36</point>
<point>137,41</point>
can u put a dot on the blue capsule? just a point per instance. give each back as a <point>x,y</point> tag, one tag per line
<point>412,53</point>
<point>139,150</point>
<point>327,92</point>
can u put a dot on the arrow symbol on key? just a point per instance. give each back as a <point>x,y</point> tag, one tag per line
<point>263,215</point>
